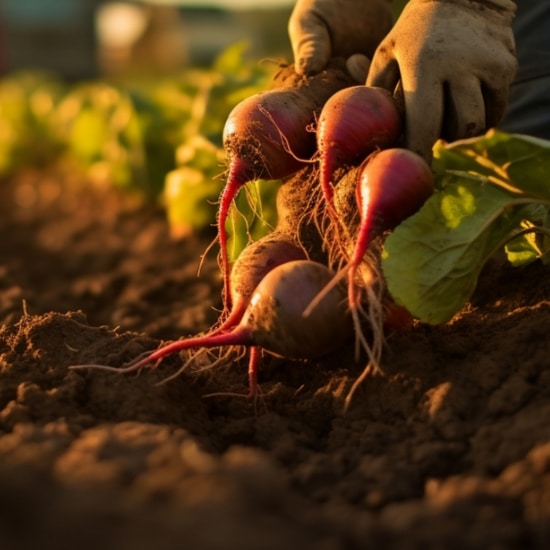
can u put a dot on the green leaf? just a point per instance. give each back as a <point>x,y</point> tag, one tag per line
<point>432,261</point>
<point>88,135</point>
<point>253,215</point>
<point>493,191</point>
<point>27,135</point>
<point>533,242</point>
<point>189,200</point>
<point>524,248</point>
<point>518,163</point>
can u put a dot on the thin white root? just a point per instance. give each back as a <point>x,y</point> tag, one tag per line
<point>125,369</point>
<point>374,353</point>
<point>221,358</point>
<point>373,316</point>
<point>324,291</point>
<point>258,397</point>
<point>184,367</point>
<point>95,366</point>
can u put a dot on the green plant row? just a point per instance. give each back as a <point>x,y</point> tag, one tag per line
<point>160,138</point>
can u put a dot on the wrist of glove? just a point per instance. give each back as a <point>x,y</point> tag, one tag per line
<point>455,60</point>
<point>321,29</point>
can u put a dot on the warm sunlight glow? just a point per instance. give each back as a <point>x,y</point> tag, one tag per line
<point>120,24</point>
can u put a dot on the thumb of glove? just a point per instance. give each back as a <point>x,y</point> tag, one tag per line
<point>311,44</point>
<point>321,29</point>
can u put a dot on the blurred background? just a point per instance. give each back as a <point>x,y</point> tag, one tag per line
<point>134,94</point>
<point>81,39</point>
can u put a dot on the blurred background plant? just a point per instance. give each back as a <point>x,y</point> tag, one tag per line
<point>135,94</point>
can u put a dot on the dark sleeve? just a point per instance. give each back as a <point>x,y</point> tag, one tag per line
<point>529,106</point>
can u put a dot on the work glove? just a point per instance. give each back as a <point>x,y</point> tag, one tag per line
<point>321,29</point>
<point>454,60</point>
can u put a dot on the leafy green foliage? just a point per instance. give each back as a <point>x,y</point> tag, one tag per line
<point>193,186</point>
<point>494,191</point>
<point>27,103</point>
<point>158,137</point>
<point>253,215</point>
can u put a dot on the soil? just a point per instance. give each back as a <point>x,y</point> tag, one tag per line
<point>450,449</point>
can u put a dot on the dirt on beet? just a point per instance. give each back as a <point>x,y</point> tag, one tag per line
<point>450,449</point>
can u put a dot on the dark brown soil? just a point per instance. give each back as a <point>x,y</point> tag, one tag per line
<point>450,450</point>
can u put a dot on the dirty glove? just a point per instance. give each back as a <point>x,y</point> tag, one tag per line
<point>320,29</point>
<point>455,60</point>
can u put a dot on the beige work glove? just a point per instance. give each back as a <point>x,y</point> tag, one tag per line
<point>320,29</point>
<point>455,60</point>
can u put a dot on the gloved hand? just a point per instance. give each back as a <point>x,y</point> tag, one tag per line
<point>455,60</point>
<point>320,29</point>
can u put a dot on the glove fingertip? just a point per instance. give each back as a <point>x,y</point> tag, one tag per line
<point>358,67</point>
<point>309,66</point>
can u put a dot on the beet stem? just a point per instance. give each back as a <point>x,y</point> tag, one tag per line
<point>253,364</point>
<point>325,179</point>
<point>236,179</point>
<point>359,253</point>
<point>253,388</point>
<point>232,320</point>
<point>239,336</point>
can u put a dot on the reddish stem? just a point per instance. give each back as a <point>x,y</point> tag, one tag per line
<point>239,336</point>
